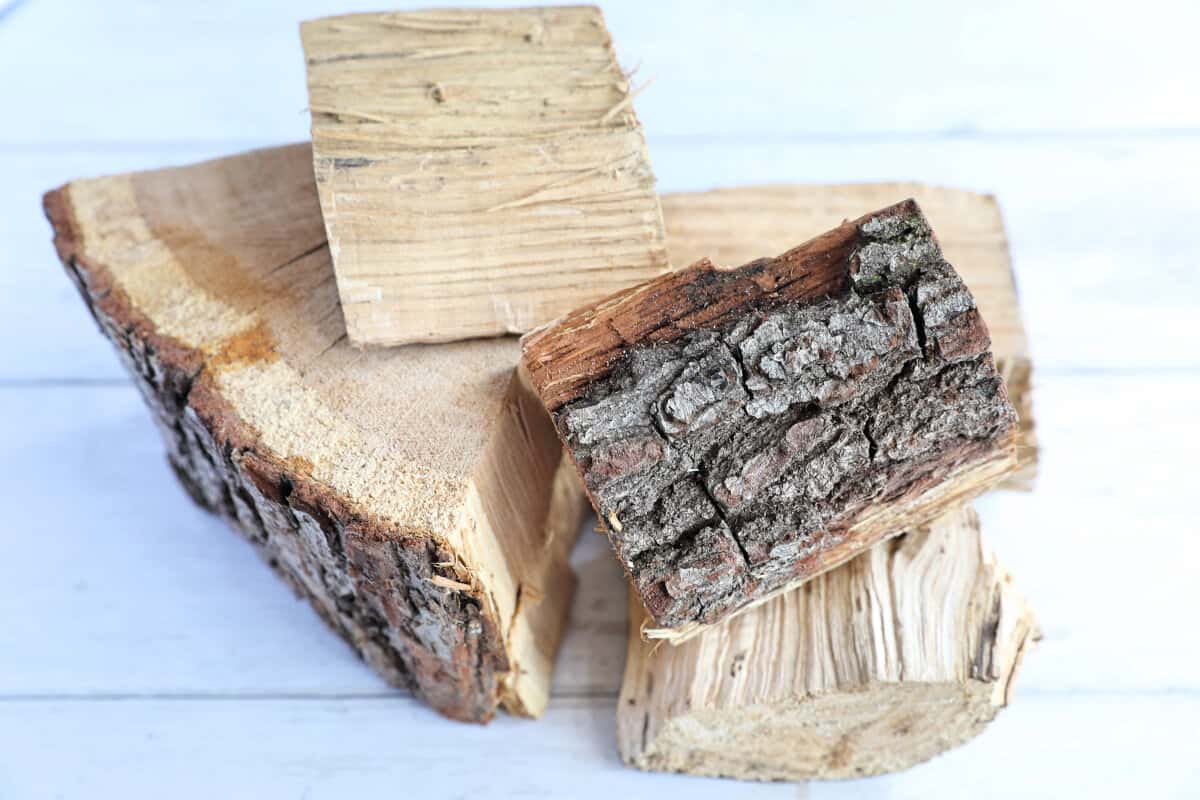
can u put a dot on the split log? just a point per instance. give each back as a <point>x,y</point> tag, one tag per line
<point>905,652</point>
<point>737,225</point>
<point>414,496</point>
<point>481,172</point>
<point>741,431</point>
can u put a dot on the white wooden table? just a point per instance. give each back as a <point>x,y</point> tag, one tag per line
<point>144,650</point>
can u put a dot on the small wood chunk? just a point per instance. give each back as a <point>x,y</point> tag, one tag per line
<point>481,172</point>
<point>745,430</point>
<point>906,652</point>
<point>417,496</point>
<point>737,225</point>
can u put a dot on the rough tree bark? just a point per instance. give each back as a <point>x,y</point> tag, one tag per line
<point>905,652</point>
<point>736,225</point>
<point>417,497</point>
<point>481,171</point>
<point>741,431</point>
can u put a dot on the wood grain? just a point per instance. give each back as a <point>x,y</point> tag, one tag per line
<point>907,651</point>
<point>433,536</point>
<point>480,172</point>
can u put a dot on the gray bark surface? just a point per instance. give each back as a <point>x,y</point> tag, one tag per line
<point>729,458</point>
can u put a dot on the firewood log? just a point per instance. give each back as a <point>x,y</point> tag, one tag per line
<point>413,495</point>
<point>481,171</point>
<point>743,430</point>
<point>905,652</point>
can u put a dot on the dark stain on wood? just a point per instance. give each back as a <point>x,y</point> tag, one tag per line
<point>254,345</point>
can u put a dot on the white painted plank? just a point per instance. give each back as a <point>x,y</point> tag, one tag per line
<point>1101,231</point>
<point>1106,547</point>
<point>113,583</point>
<point>232,71</point>
<point>1041,747</point>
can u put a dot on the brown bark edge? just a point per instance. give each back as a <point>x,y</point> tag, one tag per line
<point>299,525</point>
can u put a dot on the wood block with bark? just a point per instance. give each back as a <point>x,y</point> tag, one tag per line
<point>905,652</point>
<point>417,497</point>
<point>736,225</point>
<point>481,172</point>
<point>742,430</point>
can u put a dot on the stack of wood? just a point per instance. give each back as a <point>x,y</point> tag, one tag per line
<point>780,452</point>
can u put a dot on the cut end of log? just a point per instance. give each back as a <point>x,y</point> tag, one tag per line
<point>906,652</point>
<point>410,495</point>
<point>878,729</point>
<point>751,428</point>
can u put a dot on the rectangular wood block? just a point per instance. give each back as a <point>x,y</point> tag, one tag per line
<point>480,171</point>
<point>416,496</point>
<point>743,430</point>
<point>735,225</point>
<point>907,651</point>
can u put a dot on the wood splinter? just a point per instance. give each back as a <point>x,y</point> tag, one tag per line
<point>745,430</point>
<point>907,651</point>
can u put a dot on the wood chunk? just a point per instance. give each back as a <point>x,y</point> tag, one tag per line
<point>744,430</point>
<point>737,225</point>
<point>481,172</point>
<point>417,497</point>
<point>906,652</point>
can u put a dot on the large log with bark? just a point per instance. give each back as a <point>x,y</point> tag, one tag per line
<point>414,495</point>
<point>905,652</point>
<point>736,225</point>
<point>481,171</point>
<point>741,431</point>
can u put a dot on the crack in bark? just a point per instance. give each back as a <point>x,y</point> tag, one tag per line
<point>910,294</point>
<point>721,515</point>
